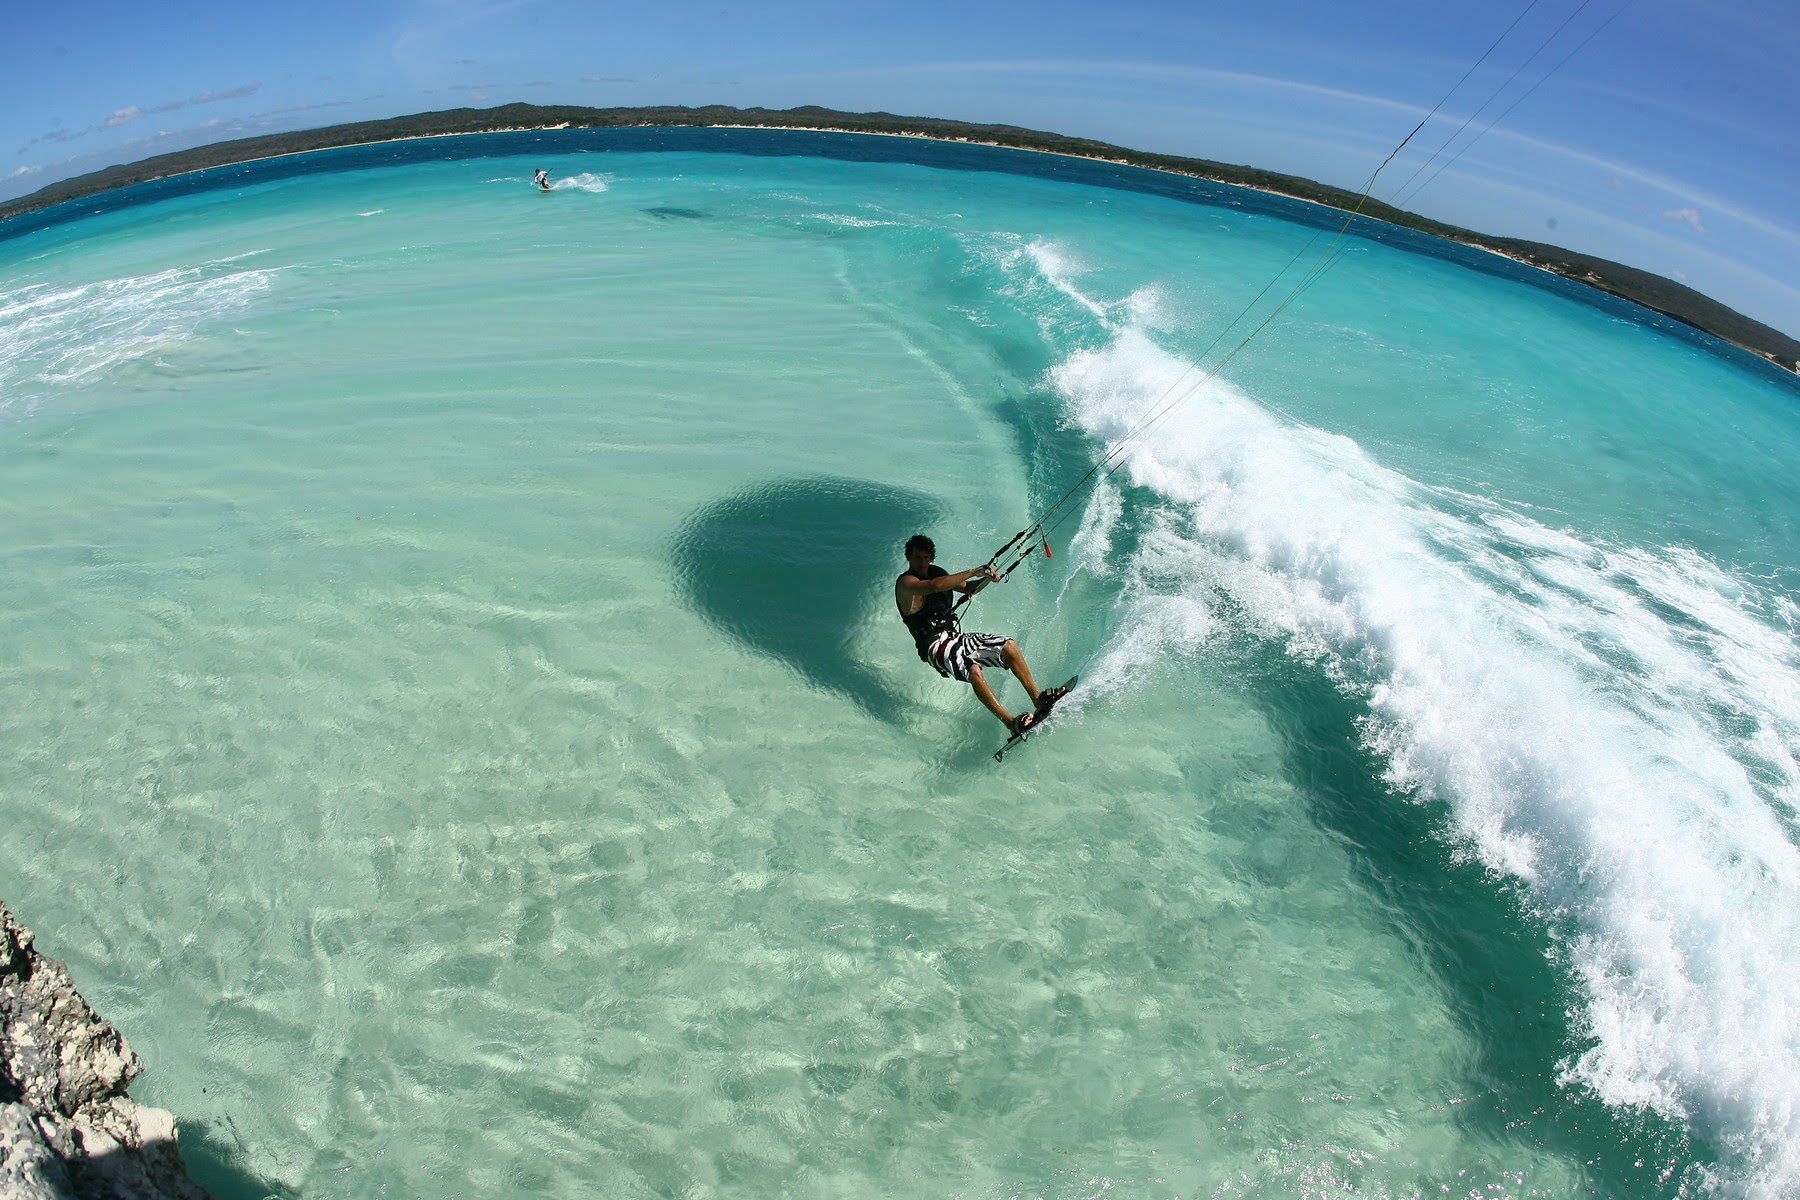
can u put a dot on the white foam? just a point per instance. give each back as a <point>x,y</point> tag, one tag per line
<point>1053,263</point>
<point>1042,279</point>
<point>848,221</point>
<point>54,339</point>
<point>1617,727</point>
<point>583,181</point>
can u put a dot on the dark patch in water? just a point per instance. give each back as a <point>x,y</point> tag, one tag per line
<point>795,568</point>
<point>669,212</point>
<point>216,1160</point>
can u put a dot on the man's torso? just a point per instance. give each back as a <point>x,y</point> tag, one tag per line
<point>928,615</point>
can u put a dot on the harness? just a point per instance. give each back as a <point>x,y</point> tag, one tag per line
<point>935,617</point>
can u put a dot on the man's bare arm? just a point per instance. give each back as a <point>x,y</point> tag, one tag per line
<point>912,585</point>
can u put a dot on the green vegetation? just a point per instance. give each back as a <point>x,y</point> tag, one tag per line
<point>1652,291</point>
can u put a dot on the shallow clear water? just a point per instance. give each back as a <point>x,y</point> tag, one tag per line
<point>460,732</point>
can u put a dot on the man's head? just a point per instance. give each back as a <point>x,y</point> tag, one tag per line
<point>919,552</point>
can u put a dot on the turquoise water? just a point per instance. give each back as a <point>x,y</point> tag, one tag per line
<point>459,731</point>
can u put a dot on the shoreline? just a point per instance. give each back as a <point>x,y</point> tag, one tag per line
<point>966,141</point>
<point>1655,293</point>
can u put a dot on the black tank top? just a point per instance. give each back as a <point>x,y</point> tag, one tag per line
<point>936,616</point>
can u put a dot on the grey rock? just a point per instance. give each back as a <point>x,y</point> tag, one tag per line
<point>29,1169</point>
<point>68,1131</point>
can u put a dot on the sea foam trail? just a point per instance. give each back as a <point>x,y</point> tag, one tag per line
<point>56,338</point>
<point>1616,727</point>
<point>582,182</point>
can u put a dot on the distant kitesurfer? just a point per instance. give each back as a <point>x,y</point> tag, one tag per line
<point>542,179</point>
<point>923,594</point>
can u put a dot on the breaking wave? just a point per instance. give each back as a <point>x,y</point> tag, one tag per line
<point>1615,727</point>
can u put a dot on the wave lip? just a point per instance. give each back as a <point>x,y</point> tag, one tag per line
<point>1615,727</point>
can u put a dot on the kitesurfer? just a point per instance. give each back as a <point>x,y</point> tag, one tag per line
<point>923,594</point>
<point>542,179</point>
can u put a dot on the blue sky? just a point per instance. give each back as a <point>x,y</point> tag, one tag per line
<point>1667,141</point>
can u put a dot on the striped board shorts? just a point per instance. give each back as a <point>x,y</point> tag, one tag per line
<point>952,654</point>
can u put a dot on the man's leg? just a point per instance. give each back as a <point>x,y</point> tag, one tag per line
<point>985,694</point>
<point>1014,658</point>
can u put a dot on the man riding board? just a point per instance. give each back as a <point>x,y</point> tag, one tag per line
<point>923,594</point>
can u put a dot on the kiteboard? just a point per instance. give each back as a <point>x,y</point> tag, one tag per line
<point>1042,714</point>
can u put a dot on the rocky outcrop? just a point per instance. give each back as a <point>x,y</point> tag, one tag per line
<point>68,1131</point>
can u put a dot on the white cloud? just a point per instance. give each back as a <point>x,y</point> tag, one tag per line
<point>23,171</point>
<point>58,135</point>
<point>1687,216</point>
<point>133,112</point>
<point>236,93</point>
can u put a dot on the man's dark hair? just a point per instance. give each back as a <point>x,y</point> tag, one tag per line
<point>919,541</point>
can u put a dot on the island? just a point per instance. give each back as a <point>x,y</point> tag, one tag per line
<point>1652,291</point>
